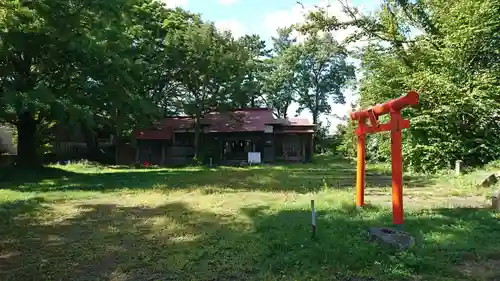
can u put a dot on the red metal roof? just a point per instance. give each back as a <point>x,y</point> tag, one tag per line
<point>295,122</point>
<point>178,123</point>
<point>165,129</point>
<point>238,120</point>
<point>158,134</point>
<point>295,132</point>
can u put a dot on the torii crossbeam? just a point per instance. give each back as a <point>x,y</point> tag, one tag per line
<point>395,126</point>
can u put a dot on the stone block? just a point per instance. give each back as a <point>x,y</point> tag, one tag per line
<point>489,181</point>
<point>391,237</point>
<point>495,200</point>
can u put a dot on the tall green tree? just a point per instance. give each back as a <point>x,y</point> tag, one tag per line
<point>45,49</point>
<point>453,60</point>
<point>280,82</point>
<point>323,73</point>
<point>249,82</point>
<point>75,62</point>
<point>208,60</point>
<point>152,72</point>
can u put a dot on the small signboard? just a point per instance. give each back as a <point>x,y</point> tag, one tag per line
<point>254,158</point>
<point>268,129</point>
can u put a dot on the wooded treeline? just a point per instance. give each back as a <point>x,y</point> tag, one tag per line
<point>121,64</point>
<point>449,51</point>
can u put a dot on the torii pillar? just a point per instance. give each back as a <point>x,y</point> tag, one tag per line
<point>395,126</point>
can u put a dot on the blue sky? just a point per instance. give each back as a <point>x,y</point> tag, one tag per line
<point>263,17</point>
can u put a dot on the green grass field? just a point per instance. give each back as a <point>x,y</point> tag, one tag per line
<point>84,222</point>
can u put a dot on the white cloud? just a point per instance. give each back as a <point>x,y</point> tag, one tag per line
<point>175,3</point>
<point>284,18</point>
<point>227,2</point>
<point>232,25</point>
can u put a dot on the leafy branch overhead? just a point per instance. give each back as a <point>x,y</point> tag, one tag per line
<point>449,51</point>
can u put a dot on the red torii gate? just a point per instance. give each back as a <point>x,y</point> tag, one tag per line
<point>395,125</point>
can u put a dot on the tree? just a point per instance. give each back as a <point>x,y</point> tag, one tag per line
<point>248,84</point>
<point>453,61</point>
<point>79,63</point>
<point>153,65</point>
<point>44,50</point>
<point>208,59</point>
<point>323,73</point>
<point>280,82</point>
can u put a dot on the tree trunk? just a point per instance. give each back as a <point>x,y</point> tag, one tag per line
<point>118,144</point>
<point>118,136</point>
<point>197,129</point>
<point>27,141</point>
<point>315,138</point>
<point>315,118</point>
<point>91,141</point>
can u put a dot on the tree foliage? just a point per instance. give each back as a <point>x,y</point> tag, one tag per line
<point>281,81</point>
<point>68,62</point>
<point>323,72</point>
<point>447,50</point>
<point>122,64</point>
<point>116,65</point>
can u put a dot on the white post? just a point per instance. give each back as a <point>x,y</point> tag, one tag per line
<point>459,167</point>
<point>495,200</point>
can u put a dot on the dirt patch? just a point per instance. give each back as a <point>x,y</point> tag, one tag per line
<point>481,270</point>
<point>448,201</point>
<point>428,201</point>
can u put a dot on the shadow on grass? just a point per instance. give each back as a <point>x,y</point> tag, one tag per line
<point>12,209</point>
<point>176,242</point>
<point>302,178</point>
<point>15,175</point>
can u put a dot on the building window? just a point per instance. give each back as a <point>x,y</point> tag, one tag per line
<point>183,139</point>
